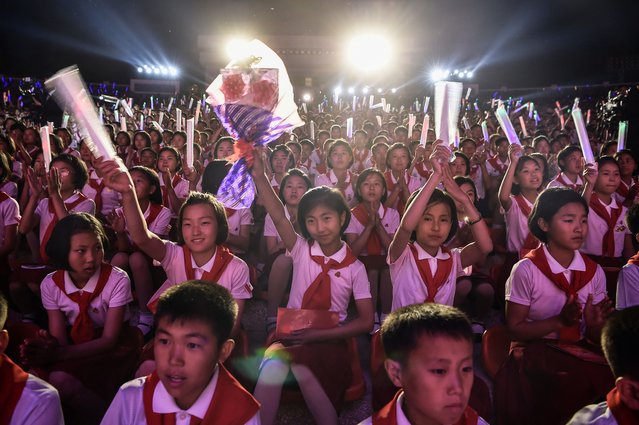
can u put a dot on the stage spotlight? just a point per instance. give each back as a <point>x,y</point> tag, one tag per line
<point>148,70</point>
<point>365,90</point>
<point>173,71</point>
<point>469,74</point>
<point>237,48</point>
<point>337,91</point>
<point>369,52</point>
<point>140,69</point>
<point>163,70</point>
<point>393,90</point>
<point>351,90</point>
<point>379,90</point>
<point>306,97</point>
<point>438,74</point>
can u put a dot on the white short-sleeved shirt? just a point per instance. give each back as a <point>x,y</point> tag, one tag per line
<point>42,210</point>
<point>16,168</point>
<point>366,162</point>
<point>9,215</point>
<point>516,225</point>
<point>10,188</point>
<point>628,287</point>
<point>528,286</point>
<point>116,293</point>
<point>477,175</point>
<point>269,226</point>
<point>408,286</point>
<point>594,414</point>
<point>127,408</point>
<point>330,179</point>
<point>39,404</point>
<point>556,182</point>
<point>494,171</point>
<point>389,218</point>
<point>241,217</point>
<point>181,189</point>
<point>344,282</point>
<point>110,198</point>
<point>160,226</point>
<point>235,277</point>
<point>413,183</point>
<point>597,228</point>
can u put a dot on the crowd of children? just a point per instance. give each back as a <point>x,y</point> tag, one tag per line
<point>130,267</point>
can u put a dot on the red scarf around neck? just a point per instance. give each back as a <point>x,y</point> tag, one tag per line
<point>318,294</point>
<point>622,413</point>
<point>497,165</point>
<point>374,243</point>
<point>433,283</point>
<point>390,186</point>
<point>231,403</point>
<point>608,247</point>
<point>99,188</point>
<point>624,190</point>
<point>12,382</point>
<point>360,157</point>
<point>579,279</point>
<point>47,233</point>
<point>83,329</point>
<point>388,414</point>
<point>530,242</point>
<point>223,258</point>
<point>165,192</point>
<point>567,183</point>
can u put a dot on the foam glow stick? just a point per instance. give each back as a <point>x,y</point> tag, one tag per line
<point>523,126</point>
<point>531,108</point>
<point>50,125</point>
<point>388,108</point>
<point>141,122</point>
<point>401,109</point>
<point>123,123</point>
<point>130,102</point>
<point>190,134</point>
<point>588,117</point>
<point>561,117</point>
<point>349,128</point>
<point>379,120</point>
<point>371,101</point>
<point>101,114</point>
<point>484,130</point>
<point>65,120</point>
<point>46,147</point>
<point>157,126</point>
<point>354,103</point>
<point>519,109</point>
<point>312,130</point>
<point>506,125</point>
<point>578,118</point>
<point>116,115</point>
<point>304,108</point>
<point>623,133</point>
<point>170,104</point>
<point>190,103</point>
<point>447,104</point>
<point>411,123</point>
<point>424,135</point>
<point>456,141</point>
<point>426,102</point>
<point>197,112</point>
<point>70,92</point>
<point>465,122</point>
<point>178,119</point>
<point>468,93</point>
<point>384,104</point>
<point>161,119</point>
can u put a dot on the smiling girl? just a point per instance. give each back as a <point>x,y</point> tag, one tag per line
<point>399,182</point>
<point>339,160</point>
<point>175,189</point>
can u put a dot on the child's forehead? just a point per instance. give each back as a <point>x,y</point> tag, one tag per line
<point>437,208</point>
<point>440,347</point>
<point>319,210</point>
<point>185,327</point>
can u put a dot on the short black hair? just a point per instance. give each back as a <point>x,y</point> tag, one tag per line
<point>335,144</point>
<point>565,153</point>
<point>196,198</point>
<point>628,152</point>
<point>467,180</point>
<point>175,152</point>
<point>154,180</point>
<point>322,195</point>
<point>397,146</point>
<point>80,172</point>
<point>547,204</point>
<point>198,300</point>
<point>289,156</point>
<point>460,154</point>
<point>5,168</point>
<point>500,139</point>
<point>632,219</point>
<point>537,140</point>
<point>145,136</point>
<point>221,140</point>
<point>403,328</point>
<point>606,159</point>
<point>620,342</point>
<point>360,179</point>
<point>59,243</point>
<point>214,173</point>
<point>438,197</point>
<point>294,172</point>
<point>467,140</point>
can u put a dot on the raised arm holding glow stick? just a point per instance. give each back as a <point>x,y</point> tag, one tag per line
<point>582,133</point>
<point>506,125</point>
<point>411,123</point>
<point>312,131</point>
<point>190,134</point>
<point>46,147</point>
<point>623,133</point>
<point>349,128</point>
<point>484,130</point>
<point>522,123</point>
<point>178,119</point>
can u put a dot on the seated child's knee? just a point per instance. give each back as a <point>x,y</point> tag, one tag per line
<point>65,383</point>
<point>463,287</point>
<point>485,290</point>
<point>272,368</point>
<point>301,372</point>
<point>137,259</point>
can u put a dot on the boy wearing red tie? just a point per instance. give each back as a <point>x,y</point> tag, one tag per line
<point>429,350</point>
<point>190,386</point>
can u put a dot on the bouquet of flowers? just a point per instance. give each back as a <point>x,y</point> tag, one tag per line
<point>253,99</point>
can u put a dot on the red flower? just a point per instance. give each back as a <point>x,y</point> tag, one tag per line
<point>233,87</point>
<point>264,93</point>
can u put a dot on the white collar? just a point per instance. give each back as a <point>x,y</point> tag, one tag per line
<point>339,256</point>
<point>72,198</point>
<point>612,205</point>
<point>333,177</point>
<point>577,264</point>
<point>206,267</point>
<point>400,415</point>
<point>406,177</point>
<point>163,402</point>
<point>565,178</point>
<point>381,212</point>
<point>423,255</point>
<point>70,288</point>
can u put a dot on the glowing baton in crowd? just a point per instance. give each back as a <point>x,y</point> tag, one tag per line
<point>623,133</point>
<point>190,135</point>
<point>46,147</point>
<point>506,125</point>
<point>578,118</point>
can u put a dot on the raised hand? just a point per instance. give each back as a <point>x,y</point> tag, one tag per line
<point>440,156</point>
<point>53,181</point>
<point>515,152</point>
<point>595,315</point>
<point>591,172</point>
<point>35,187</point>
<point>571,312</point>
<point>114,176</point>
<point>117,222</point>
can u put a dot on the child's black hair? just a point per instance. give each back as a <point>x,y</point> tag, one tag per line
<point>155,154</point>
<point>438,197</point>
<point>59,243</point>
<point>289,156</point>
<point>221,140</point>
<point>5,168</point>
<point>606,146</point>
<point>197,198</point>
<point>177,155</point>
<point>467,180</point>
<point>198,300</point>
<point>537,140</point>
<point>294,172</point>
<point>620,343</point>
<point>154,180</point>
<point>126,135</point>
<point>542,162</point>
<point>146,136</point>
<point>628,152</point>
<point>9,143</point>
<point>403,328</point>
<point>459,154</point>
<point>565,153</point>
<point>467,140</point>
<point>322,195</point>
<point>500,140</point>
<point>362,177</point>
<point>80,172</point>
<point>606,159</point>
<point>632,220</point>
<point>335,144</point>
<point>548,203</point>
<point>397,146</point>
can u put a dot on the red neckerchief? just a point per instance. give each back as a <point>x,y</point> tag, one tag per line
<point>306,164</point>
<point>390,185</point>
<point>567,183</point>
<point>47,233</point>
<point>622,413</point>
<point>349,177</point>
<point>579,280</point>
<point>4,196</point>
<point>388,414</point>
<point>421,169</point>
<point>13,380</point>
<point>360,157</point>
<point>321,168</point>
<point>499,167</point>
<point>624,189</point>
<point>223,258</point>
<point>165,192</point>
<point>231,403</point>
<point>608,247</point>
<point>530,242</point>
<point>83,327</point>
<point>373,244</point>
<point>154,212</point>
<point>318,294</point>
<point>433,283</point>
<point>473,170</point>
<point>229,212</point>
<point>98,187</point>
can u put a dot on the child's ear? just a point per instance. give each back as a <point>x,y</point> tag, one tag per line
<point>4,340</point>
<point>225,350</point>
<point>629,390</point>
<point>394,372</point>
<point>543,225</point>
<point>637,237</point>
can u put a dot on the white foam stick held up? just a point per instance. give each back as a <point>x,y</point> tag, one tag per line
<point>379,120</point>
<point>384,104</point>
<point>531,109</point>
<point>354,103</point>
<point>312,130</point>
<point>101,114</point>
<point>170,104</point>
<point>190,135</point>
<point>424,135</point>
<point>468,93</point>
<point>161,118</point>
<point>116,115</point>
<point>123,123</point>
<point>411,123</point>
<point>69,91</point>
<point>197,112</point>
<point>178,119</point>
<point>426,102</point>
<point>51,126</point>
<point>190,103</point>
<point>349,128</point>
<point>304,108</point>
<point>46,147</point>
<point>506,125</point>
<point>371,101</point>
<point>447,104</point>
<point>484,130</point>
<point>582,133</point>
<point>141,126</point>
<point>127,109</point>
<point>522,123</point>
<point>623,134</point>
<point>456,142</point>
<point>465,122</point>
<point>65,120</point>
<point>588,117</point>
